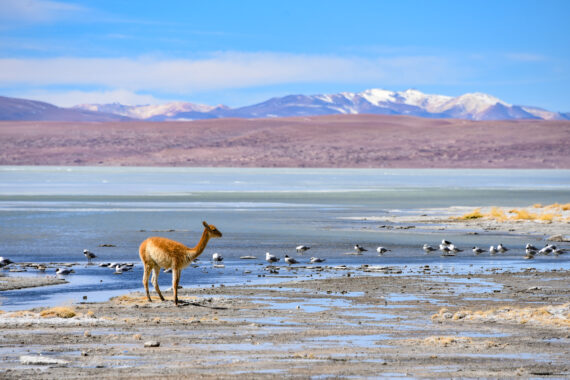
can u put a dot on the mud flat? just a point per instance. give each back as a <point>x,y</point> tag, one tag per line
<point>365,322</point>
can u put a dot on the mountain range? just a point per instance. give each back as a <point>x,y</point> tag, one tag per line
<point>472,106</point>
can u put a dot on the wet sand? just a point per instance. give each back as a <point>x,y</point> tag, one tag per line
<point>367,321</point>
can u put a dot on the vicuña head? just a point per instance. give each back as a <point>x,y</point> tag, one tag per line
<point>159,252</point>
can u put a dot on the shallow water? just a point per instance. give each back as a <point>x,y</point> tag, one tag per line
<point>50,214</point>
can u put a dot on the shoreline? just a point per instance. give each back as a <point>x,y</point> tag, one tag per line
<point>354,324</point>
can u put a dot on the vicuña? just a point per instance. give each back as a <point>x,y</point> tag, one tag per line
<point>159,252</point>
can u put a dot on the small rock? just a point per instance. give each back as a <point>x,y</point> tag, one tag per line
<point>558,238</point>
<point>152,343</point>
<point>447,315</point>
<point>84,353</point>
<point>87,334</point>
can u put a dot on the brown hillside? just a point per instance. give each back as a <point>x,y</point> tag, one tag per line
<point>325,141</point>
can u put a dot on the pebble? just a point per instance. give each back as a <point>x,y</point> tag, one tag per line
<point>152,343</point>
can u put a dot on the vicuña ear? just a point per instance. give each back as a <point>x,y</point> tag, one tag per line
<point>206,224</point>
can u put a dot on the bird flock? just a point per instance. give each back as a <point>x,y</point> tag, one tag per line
<point>446,247</point>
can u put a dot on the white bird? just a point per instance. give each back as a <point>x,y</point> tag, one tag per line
<point>4,262</point>
<point>271,258</point>
<point>444,248</point>
<point>558,251</point>
<point>492,250</point>
<point>89,255</point>
<point>428,248</point>
<point>63,271</point>
<point>501,248</point>
<point>382,250</point>
<point>290,260</point>
<point>530,246</point>
<point>478,251</point>
<point>217,257</point>
<point>118,269</point>
<point>302,248</point>
<point>316,260</point>
<point>530,253</point>
<point>359,249</point>
<point>454,249</point>
<point>546,250</point>
<point>445,242</point>
<point>447,252</point>
<point>124,268</point>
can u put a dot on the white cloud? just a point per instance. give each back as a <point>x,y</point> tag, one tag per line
<point>36,10</point>
<point>72,98</point>
<point>223,71</point>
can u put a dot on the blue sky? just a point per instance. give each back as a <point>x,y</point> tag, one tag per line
<point>243,52</point>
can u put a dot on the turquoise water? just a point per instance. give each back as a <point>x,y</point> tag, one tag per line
<point>50,214</point>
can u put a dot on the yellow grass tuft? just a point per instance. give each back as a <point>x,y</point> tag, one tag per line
<point>548,214</point>
<point>58,312</point>
<point>475,214</point>
<point>522,214</point>
<point>446,341</point>
<point>498,214</point>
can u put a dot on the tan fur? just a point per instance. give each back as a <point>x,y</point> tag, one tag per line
<point>159,252</point>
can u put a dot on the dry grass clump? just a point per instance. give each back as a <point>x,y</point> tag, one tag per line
<point>475,214</point>
<point>58,312</point>
<point>446,341</point>
<point>128,299</point>
<point>545,214</point>
<point>552,315</point>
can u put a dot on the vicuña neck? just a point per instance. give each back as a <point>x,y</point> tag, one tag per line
<point>199,248</point>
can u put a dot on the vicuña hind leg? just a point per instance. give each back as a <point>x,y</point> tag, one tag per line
<point>175,281</point>
<point>155,273</point>
<point>147,270</point>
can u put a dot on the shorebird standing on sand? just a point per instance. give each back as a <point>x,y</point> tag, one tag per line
<point>271,258</point>
<point>428,248</point>
<point>216,257</point>
<point>290,260</point>
<point>492,250</point>
<point>63,271</point>
<point>89,255</point>
<point>4,262</point>
<point>478,251</point>
<point>359,249</point>
<point>302,248</point>
<point>501,248</point>
<point>317,260</point>
<point>381,250</point>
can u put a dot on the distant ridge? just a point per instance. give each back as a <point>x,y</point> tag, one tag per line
<point>31,110</point>
<point>473,106</point>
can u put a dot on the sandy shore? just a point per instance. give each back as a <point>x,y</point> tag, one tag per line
<point>548,222</point>
<point>362,322</point>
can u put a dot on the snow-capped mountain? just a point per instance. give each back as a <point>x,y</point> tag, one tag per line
<point>473,106</point>
<point>476,106</point>
<point>159,112</point>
